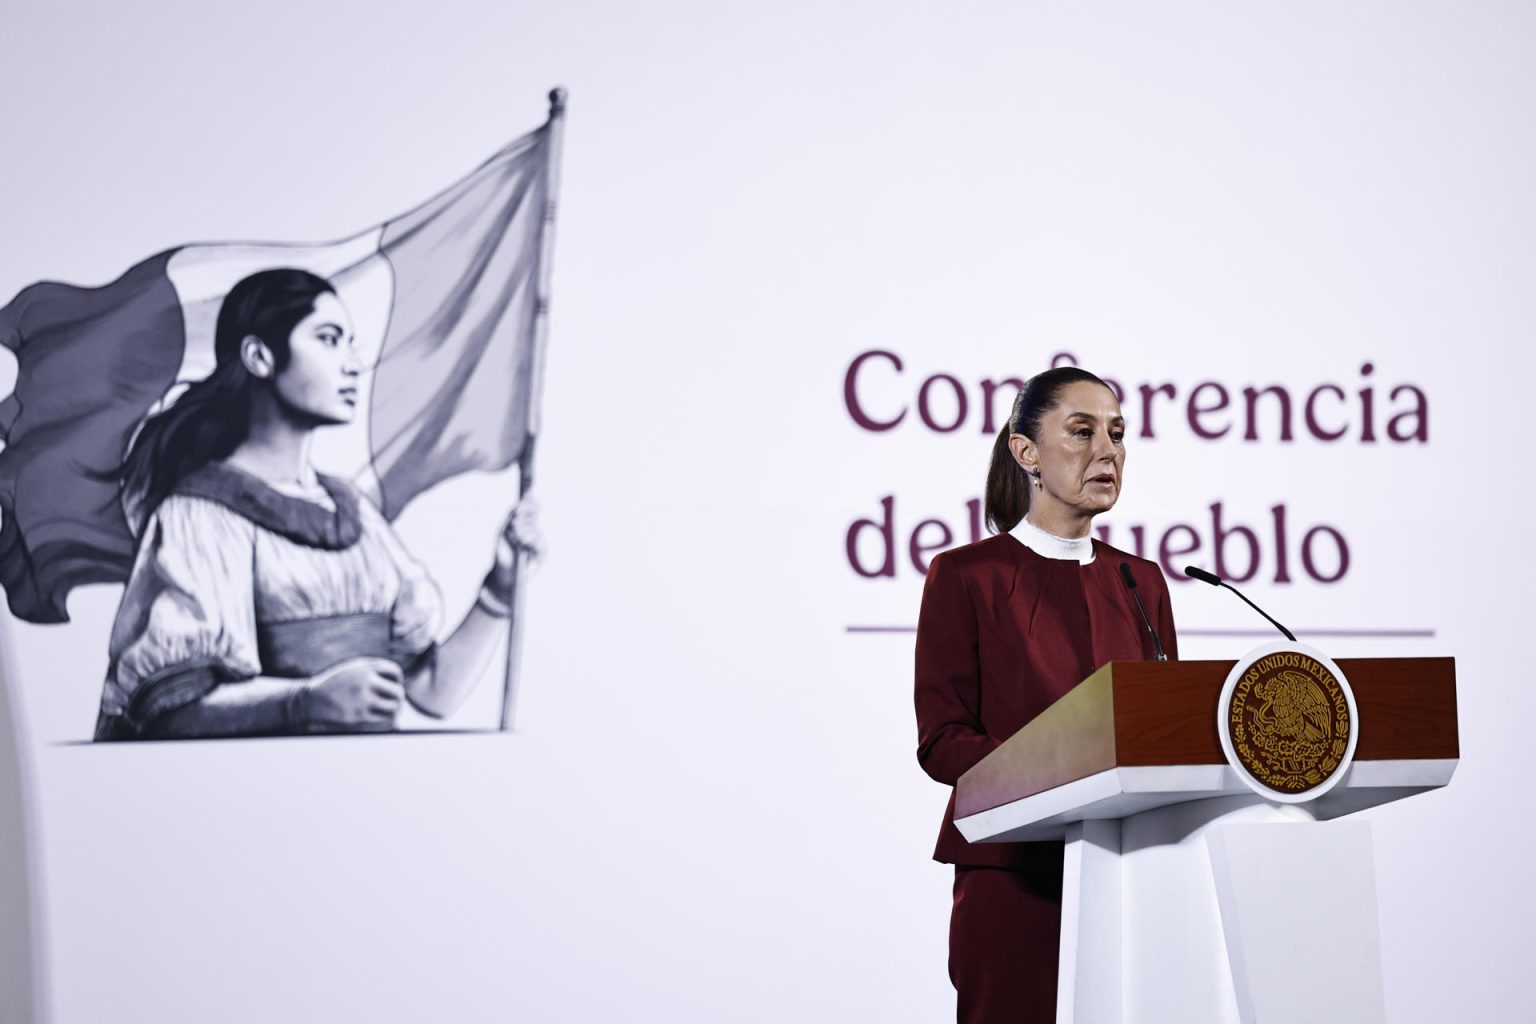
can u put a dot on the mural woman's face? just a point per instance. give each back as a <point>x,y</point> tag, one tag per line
<point>320,381</point>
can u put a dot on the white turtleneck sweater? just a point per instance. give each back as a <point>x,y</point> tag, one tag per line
<point>1048,545</point>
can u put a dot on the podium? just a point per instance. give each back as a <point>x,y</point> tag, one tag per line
<point>1188,896</point>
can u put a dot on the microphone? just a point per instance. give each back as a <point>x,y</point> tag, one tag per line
<point>1130,581</point>
<point>1216,581</point>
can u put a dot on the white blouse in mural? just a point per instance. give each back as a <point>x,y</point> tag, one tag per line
<point>235,575</point>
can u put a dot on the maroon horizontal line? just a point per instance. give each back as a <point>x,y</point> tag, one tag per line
<point>1398,633</point>
<point>1425,633</point>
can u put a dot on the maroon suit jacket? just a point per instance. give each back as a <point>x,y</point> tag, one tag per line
<point>1004,632</point>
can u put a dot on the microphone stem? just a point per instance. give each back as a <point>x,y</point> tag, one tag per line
<point>1288,634</point>
<point>1130,584</point>
<point>1157,644</point>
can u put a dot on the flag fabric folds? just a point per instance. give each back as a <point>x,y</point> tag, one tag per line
<point>454,387</point>
<point>90,362</point>
<point>450,299</point>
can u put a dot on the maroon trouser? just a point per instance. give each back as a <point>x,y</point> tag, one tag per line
<point>1004,939</point>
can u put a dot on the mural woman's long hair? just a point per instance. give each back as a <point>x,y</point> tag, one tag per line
<point>213,416</point>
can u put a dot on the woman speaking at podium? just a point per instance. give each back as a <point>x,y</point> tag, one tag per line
<point>1008,625</point>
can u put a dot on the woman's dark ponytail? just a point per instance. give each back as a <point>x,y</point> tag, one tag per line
<point>1007,486</point>
<point>1007,495</point>
<point>213,416</point>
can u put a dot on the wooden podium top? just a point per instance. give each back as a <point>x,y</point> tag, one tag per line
<point>1143,734</point>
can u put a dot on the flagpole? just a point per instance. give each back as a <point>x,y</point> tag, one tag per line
<point>556,128</point>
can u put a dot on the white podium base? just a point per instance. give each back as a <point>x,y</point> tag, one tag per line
<point>1224,910</point>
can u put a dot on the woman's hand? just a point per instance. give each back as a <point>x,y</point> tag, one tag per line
<point>461,660</point>
<point>520,535</point>
<point>358,694</point>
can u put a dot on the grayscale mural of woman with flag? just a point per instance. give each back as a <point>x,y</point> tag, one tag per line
<point>161,434</point>
<point>267,598</point>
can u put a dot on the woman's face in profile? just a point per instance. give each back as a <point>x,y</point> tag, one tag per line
<point>1081,451</point>
<point>320,380</point>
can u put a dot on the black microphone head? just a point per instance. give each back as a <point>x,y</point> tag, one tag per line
<point>1196,573</point>
<point>1125,574</point>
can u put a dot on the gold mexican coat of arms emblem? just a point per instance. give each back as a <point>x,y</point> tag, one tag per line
<point>1288,720</point>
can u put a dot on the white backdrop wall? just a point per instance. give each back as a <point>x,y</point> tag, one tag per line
<point>710,809</point>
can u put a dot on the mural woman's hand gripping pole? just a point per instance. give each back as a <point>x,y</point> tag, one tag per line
<point>440,688</point>
<point>520,547</point>
<point>520,543</point>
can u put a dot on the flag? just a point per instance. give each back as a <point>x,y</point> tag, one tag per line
<point>449,301</point>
